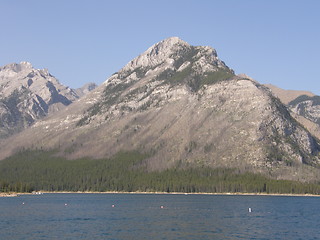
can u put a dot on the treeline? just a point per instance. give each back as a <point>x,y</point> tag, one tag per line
<point>39,170</point>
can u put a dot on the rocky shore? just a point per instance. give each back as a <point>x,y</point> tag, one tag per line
<point>8,194</point>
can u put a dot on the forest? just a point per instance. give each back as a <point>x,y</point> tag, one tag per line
<point>29,171</point>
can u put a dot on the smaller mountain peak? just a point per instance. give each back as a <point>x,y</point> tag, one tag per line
<point>167,45</point>
<point>26,64</point>
<point>245,76</point>
<point>172,41</point>
<point>17,67</point>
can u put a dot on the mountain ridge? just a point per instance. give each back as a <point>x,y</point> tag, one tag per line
<point>28,94</point>
<point>303,105</point>
<point>287,96</point>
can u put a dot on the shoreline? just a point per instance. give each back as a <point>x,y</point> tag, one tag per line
<point>10,194</point>
<point>17,194</point>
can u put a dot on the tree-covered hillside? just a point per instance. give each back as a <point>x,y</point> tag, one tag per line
<point>39,170</point>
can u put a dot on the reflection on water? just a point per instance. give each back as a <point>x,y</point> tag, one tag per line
<point>163,216</point>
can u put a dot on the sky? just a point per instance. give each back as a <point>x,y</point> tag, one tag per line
<point>80,41</point>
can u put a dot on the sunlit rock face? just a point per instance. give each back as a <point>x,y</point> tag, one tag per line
<point>182,106</point>
<point>28,94</point>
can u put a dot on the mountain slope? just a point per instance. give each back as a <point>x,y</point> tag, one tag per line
<point>307,106</point>
<point>304,107</point>
<point>287,96</point>
<point>28,94</point>
<point>183,107</point>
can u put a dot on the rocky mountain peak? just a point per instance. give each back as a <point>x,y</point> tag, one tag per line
<point>176,54</point>
<point>17,67</point>
<point>169,64</point>
<point>11,70</point>
<point>28,94</point>
<point>172,40</point>
<point>174,60</point>
<point>15,76</point>
<point>24,65</point>
<point>157,54</point>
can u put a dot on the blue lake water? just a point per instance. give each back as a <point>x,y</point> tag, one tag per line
<point>158,216</point>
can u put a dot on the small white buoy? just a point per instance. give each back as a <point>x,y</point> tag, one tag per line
<point>249,209</point>
<point>112,205</point>
<point>23,203</point>
<point>161,207</point>
<point>65,204</point>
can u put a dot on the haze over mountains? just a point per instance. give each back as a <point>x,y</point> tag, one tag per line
<point>179,104</point>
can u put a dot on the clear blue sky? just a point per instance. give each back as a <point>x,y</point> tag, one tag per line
<point>79,41</point>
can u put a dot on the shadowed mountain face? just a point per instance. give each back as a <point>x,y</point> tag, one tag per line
<point>182,106</point>
<point>304,107</point>
<point>28,94</point>
<point>307,106</point>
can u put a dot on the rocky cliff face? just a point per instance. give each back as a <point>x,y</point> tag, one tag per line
<point>182,106</point>
<point>304,107</point>
<point>28,94</point>
<point>307,106</point>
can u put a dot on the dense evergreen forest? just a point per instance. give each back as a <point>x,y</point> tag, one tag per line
<point>41,170</point>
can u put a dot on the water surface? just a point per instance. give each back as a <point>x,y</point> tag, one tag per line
<point>158,216</point>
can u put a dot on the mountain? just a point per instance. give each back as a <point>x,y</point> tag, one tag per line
<point>28,94</point>
<point>304,106</point>
<point>287,96</point>
<point>306,109</point>
<point>85,89</point>
<point>307,106</point>
<point>181,106</point>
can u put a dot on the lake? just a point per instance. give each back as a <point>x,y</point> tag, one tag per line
<point>158,216</point>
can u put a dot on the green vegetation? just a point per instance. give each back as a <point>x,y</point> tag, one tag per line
<point>214,77</point>
<point>194,81</point>
<point>93,110</point>
<point>175,78</point>
<point>185,55</point>
<point>140,72</point>
<point>209,78</point>
<point>275,154</point>
<point>111,95</point>
<point>188,76</point>
<point>40,170</point>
